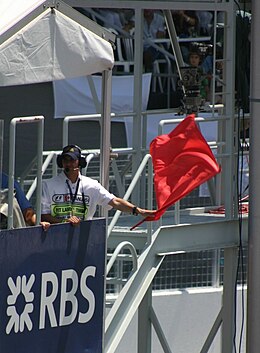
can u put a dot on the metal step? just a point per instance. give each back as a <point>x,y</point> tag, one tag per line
<point>131,296</point>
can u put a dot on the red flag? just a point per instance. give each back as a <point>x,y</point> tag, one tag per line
<point>182,160</point>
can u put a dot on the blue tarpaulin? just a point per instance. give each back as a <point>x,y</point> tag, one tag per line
<point>52,288</point>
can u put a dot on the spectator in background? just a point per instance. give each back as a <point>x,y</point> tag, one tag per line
<point>117,19</point>
<point>25,205</point>
<point>154,27</point>
<point>205,23</point>
<point>186,25</point>
<point>207,64</point>
<point>195,61</point>
<point>219,75</point>
<point>208,69</point>
<point>128,15</point>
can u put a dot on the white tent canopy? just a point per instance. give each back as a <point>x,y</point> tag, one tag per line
<point>51,46</point>
<point>44,41</point>
<point>14,11</point>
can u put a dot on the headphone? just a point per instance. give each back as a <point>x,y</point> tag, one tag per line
<point>66,149</point>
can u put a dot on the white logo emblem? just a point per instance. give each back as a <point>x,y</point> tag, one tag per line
<point>23,288</point>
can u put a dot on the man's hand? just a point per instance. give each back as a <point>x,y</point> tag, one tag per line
<point>125,206</point>
<point>45,225</point>
<point>145,213</point>
<point>73,220</point>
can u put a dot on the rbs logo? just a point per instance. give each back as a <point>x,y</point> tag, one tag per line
<point>70,284</point>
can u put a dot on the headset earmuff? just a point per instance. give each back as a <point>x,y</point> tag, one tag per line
<point>59,160</point>
<point>82,162</point>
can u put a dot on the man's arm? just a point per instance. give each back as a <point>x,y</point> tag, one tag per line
<point>53,220</point>
<point>49,218</point>
<point>128,207</point>
<point>30,218</point>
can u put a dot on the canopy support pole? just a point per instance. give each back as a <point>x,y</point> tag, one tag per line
<point>253,293</point>
<point>105,127</point>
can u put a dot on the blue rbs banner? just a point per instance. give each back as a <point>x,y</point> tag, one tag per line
<point>52,289</point>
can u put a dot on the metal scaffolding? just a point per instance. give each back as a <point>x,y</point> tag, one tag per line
<point>136,295</point>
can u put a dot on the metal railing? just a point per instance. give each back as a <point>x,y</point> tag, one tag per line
<point>117,257</point>
<point>12,141</point>
<point>130,189</point>
<point>120,247</point>
<point>122,177</point>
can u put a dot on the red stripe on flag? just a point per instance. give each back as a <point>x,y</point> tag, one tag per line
<point>182,160</point>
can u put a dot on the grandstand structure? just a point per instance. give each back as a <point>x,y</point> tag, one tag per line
<point>200,242</point>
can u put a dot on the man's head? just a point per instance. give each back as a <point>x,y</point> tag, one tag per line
<point>148,13</point>
<point>71,152</point>
<point>195,55</point>
<point>194,58</point>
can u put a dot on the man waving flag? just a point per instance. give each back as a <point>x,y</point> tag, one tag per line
<point>182,160</point>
